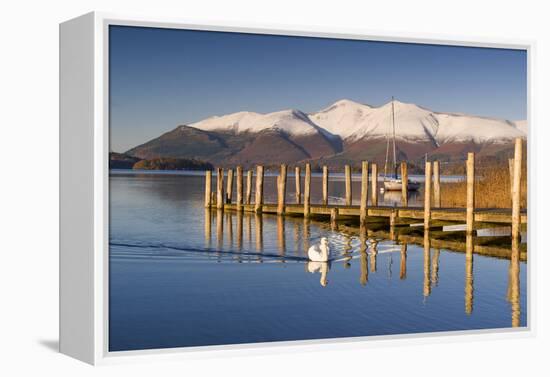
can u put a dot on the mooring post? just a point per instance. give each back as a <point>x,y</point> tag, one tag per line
<point>307,187</point>
<point>259,189</point>
<point>404,184</point>
<point>208,189</point>
<point>297,177</point>
<point>516,201</point>
<point>334,218</point>
<point>281,190</point>
<point>511,168</point>
<point>437,186</point>
<point>229,185</point>
<point>374,191</point>
<point>364,192</point>
<point>220,197</point>
<point>470,192</point>
<point>325,185</point>
<point>239,188</point>
<point>393,218</point>
<point>249,186</point>
<point>427,195</point>
<point>347,173</point>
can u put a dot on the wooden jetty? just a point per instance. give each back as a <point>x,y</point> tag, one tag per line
<point>431,215</point>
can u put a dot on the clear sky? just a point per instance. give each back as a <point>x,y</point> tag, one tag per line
<point>161,78</point>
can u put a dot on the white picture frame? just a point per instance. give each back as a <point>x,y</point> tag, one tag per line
<point>84,188</point>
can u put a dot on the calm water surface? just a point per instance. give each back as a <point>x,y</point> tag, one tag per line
<point>184,276</point>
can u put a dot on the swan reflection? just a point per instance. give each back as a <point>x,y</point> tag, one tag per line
<point>319,267</point>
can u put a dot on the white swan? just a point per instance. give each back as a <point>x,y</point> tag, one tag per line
<point>319,253</point>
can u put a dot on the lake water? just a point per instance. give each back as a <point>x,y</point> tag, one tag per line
<point>181,275</point>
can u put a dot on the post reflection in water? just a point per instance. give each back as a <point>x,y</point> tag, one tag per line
<point>513,283</point>
<point>322,268</point>
<point>346,253</point>
<point>403,264</point>
<point>239,230</point>
<point>373,255</point>
<point>366,251</point>
<point>258,224</point>
<point>469,283</point>
<point>427,284</point>
<point>281,239</point>
<point>364,278</point>
<point>219,229</point>
<point>435,267</point>
<point>306,233</point>
<point>207,228</point>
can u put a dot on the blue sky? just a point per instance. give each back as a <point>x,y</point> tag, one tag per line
<point>161,78</point>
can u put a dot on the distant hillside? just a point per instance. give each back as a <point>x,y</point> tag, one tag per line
<point>172,164</point>
<point>121,161</point>
<point>346,132</point>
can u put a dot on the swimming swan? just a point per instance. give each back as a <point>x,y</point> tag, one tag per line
<point>319,253</point>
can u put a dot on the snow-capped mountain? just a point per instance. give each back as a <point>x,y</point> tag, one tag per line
<point>344,131</point>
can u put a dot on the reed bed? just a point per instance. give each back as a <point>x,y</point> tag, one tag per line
<point>492,189</point>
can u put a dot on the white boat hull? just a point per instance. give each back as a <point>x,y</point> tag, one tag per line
<point>397,185</point>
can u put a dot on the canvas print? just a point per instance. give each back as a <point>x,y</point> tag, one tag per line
<point>268,188</point>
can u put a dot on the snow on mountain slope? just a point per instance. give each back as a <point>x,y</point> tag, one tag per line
<point>412,123</point>
<point>522,126</point>
<point>342,118</point>
<point>458,127</point>
<point>293,122</point>
<point>351,121</point>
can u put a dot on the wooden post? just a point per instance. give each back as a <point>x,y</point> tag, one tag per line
<point>516,197</point>
<point>347,172</point>
<point>437,186</point>
<point>239,188</point>
<point>511,168</point>
<point>307,187</point>
<point>469,278</point>
<point>220,197</point>
<point>364,192</point>
<point>325,185</point>
<point>229,185</point>
<point>427,195</point>
<point>281,190</point>
<point>470,193</point>
<point>374,179</point>
<point>404,185</point>
<point>259,189</point>
<point>208,189</point>
<point>249,186</point>
<point>334,218</point>
<point>297,177</point>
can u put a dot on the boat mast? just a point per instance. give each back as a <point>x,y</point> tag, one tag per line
<point>394,166</point>
<point>387,150</point>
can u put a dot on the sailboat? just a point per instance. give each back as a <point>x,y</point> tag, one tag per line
<point>394,183</point>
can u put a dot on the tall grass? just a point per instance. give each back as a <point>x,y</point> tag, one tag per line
<point>492,188</point>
